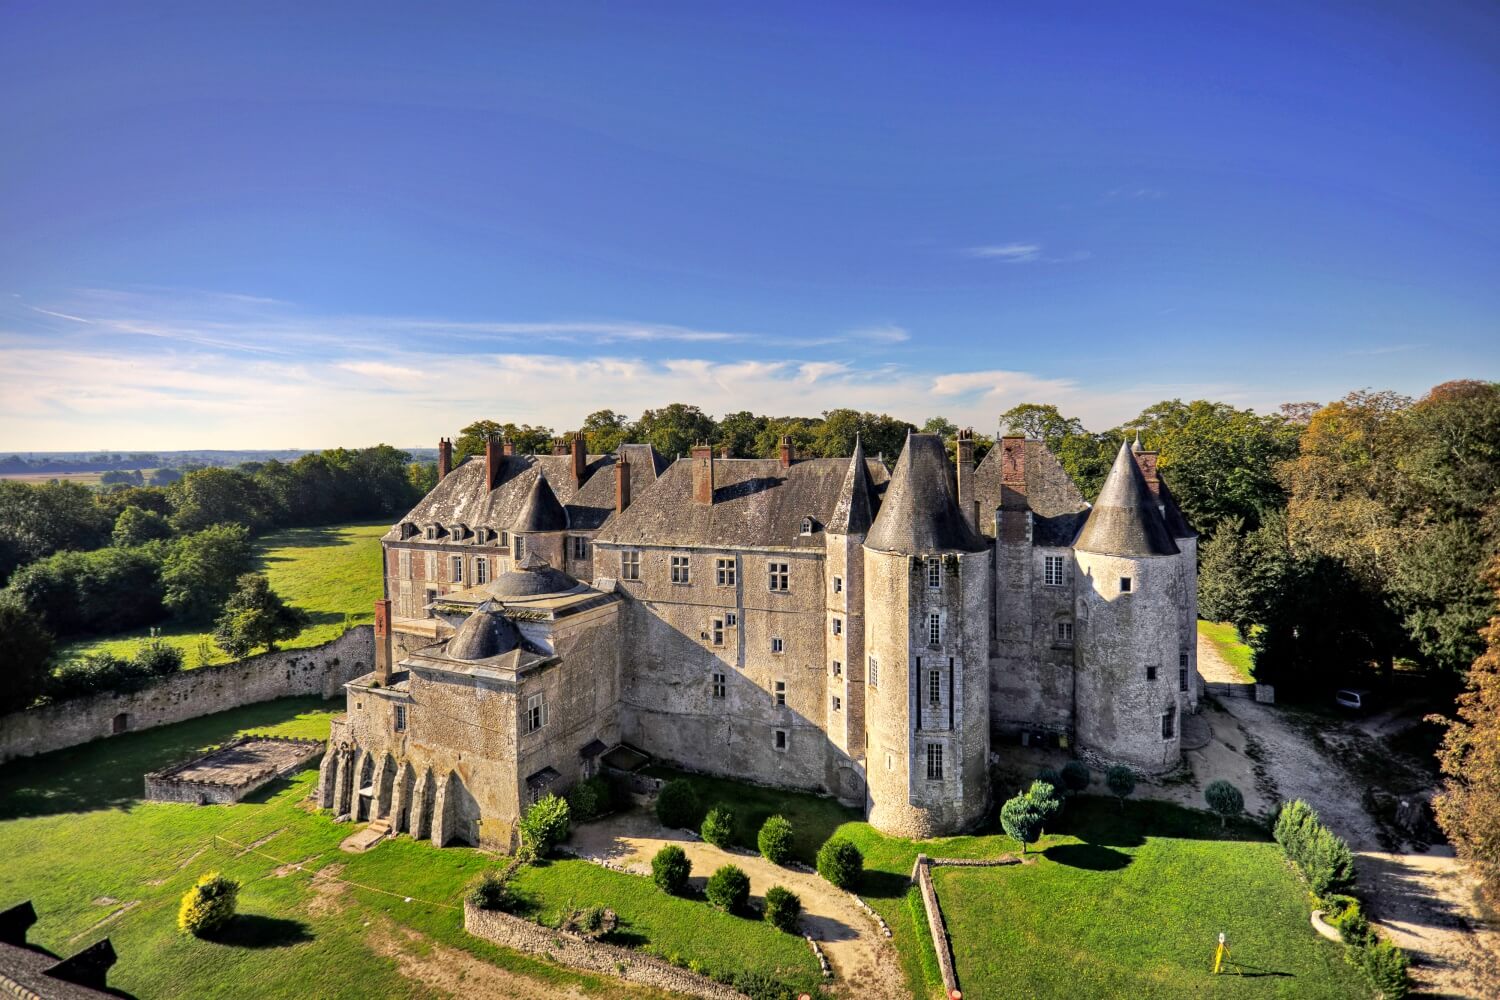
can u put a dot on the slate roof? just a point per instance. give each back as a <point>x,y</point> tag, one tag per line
<point>1177,522</point>
<point>1125,520</point>
<point>854,512</point>
<point>541,511</point>
<point>1058,509</point>
<point>920,510</point>
<point>757,504</point>
<point>482,635</point>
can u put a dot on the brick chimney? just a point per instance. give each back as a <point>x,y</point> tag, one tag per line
<point>703,474</point>
<point>383,650</point>
<point>1013,473</point>
<point>559,446</point>
<point>492,461</point>
<point>622,484</point>
<point>1147,461</point>
<point>580,451</point>
<point>445,458</point>
<point>507,446</point>
<point>786,452</point>
<point>965,453</point>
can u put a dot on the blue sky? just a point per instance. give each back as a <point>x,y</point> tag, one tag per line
<point>281,225</point>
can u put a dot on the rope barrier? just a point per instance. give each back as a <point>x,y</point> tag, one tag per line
<point>319,873</point>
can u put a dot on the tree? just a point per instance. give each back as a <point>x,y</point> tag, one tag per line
<point>728,888</point>
<point>25,649</point>
<point>677,805</point>
<point>718,826</point>
<point>1076,776</point>
<point>157,658</point>
<point>37,520</point>
<point>840,862</point>
<point>524,438</point>
<point>208,906</point>
<point>218,496</point>
<point>545,825</point>
<point>1022,818</point>
<point>200,570</point>
<point>1121,782</point>
<point>137,526</point>
<point>605,431</point>
<point>740,433</point>
<point>103,591</point>
<point>1224,799</point>
<point>1086,457</point>
<point>674,429</point>
<point>422,477</point>
<point>941,426</point>
<point>783,907</point>
<point>255,616</point>
<point>670,869</point>
<point>775,839</point>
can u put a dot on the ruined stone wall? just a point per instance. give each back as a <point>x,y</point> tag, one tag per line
<point>322,670</point>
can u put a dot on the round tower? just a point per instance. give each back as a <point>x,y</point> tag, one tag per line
<point>1128,626</point>
<point>927,693</point>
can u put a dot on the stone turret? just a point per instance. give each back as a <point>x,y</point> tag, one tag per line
<point>1128,625</point>
<point>844,598</point>
<point>927,587</point>
<point>540,528</point>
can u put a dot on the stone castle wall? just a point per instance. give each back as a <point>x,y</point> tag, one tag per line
<point>322,670</point>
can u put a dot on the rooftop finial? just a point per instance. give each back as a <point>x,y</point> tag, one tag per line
<point>1137,446</point>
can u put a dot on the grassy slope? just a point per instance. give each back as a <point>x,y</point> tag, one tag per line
<point>75,832</point>
<point>332,573</point>
<point>1227,641</point>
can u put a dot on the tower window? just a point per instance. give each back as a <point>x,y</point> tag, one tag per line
<point>717,630</point>
<point>935,573</point>
<point>536,713</point>
<point>837,704</point>
<point>1052,571</point>
<point>1182,658</point>
<point>724,572</point>
<point>838,669</point>
<point>680,569</point>
<point>777,646</point>
<point>838,626</point>
<point>934,687</point>
<point>1065,631</point>
<point>1124,584</point>
<point>934,629</point>
<point>630,564</point>
<point>874,676</point>
<point>934,762</point>
<point>781,692</point>
<point>718,685</point>
<point>1150,673</point>
<point>777,576</point>
<point>779,739</point>
<point>400,719</point>
<point>1169,723</point>
<point>838,585</point>
<point>1182,679</point>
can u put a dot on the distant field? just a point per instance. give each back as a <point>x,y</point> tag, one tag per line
<point>332,573</point>
<point>85,478</point>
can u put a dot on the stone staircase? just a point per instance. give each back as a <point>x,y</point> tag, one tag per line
<point>363,840</point>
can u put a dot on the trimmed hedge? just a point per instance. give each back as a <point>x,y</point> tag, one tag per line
<point>775,839</point>
<point>840,862</point>
<point>718,826</point>
<point>670,870</point>
<point>728,888</point>
<point>208,905</point>
<point>677,805</point>
<point>783,907</point>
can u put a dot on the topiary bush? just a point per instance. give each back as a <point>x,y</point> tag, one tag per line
<point>545,825</point>
<point>783,907</point>
<point>718,826</point>
<point>1076,776</point>
<point>1051,776</point>
<point>840,862</point>
<point>1046,798</point>
<point>491,891</point>
<point>1021,817</point>
<point>677,805</point>
<point>1293,825</point>
<point>775,840</point>
<point>1121,782</point>
<point>670,870</point>
<point>1224,799</point>
<point>591,799</point>
<point>208,905</point>
<point>728,888</point>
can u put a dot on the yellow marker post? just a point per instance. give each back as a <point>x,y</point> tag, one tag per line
<point>1220,954</point>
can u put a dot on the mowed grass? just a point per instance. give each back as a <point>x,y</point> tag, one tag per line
<point>332,573</point>
<point>1226,640</point>
<point>98,861</point>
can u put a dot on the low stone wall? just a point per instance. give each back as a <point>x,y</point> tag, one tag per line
<point>594,956</point>
<point>922,874</point>
<point>322,670</point>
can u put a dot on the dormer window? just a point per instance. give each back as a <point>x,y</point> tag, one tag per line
<point>407,530</point>
<point>807,525</point>
<point>430,532</point>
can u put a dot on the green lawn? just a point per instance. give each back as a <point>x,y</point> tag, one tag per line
<point>1227,641</point>
<point>81,844</point>
<point>332,573</point>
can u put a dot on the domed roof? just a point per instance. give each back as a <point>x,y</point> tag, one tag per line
<point>483,635</point>
<point>531,577</point>
<point>542,511</point>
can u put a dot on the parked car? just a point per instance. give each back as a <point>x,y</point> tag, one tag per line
<point>1354,699</point>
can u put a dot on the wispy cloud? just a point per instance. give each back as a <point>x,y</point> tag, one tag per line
<point>1387,349</point>
<point>1023,253</point>
<point>1135,192</point>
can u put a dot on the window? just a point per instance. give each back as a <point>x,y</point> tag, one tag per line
<point>1182,678</point>
<point>505,539</point>
<point>518,547</point>
<point>680,569</point>
<point>1124,584</point>
<point>807,525</point>
<point>1182,659</point>
<point>1150,673</point>
<point>935,573</point>
<point>481,570</point>
<point>780,692</point>
<point>1064,631</point>
<point>724,572</point>
<point>874,677</point>
<point>1052,569</point>
<point>890,762</point>
<point>776,644</point>
<point>934,762</point>
<point>458,569</point>
<point>1169,723</point>
<point>400,719</point>
<point>403,563</point>
<point>580,547</point>
<point>837,704</point>
<point>838,585</point>
<point>838,626</point>
<point>718,685</point>
<point>838,669</point>
<point>630,564</point>
<point>934,629</point>
<point>717,629</point>
<point>934,687</point>
<point>777,573</point>
<point>731,619</point>
<point>779,739</point>
<point>536,713</point>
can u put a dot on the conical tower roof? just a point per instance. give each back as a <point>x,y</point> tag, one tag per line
<point>853,513</point>
<point>920,513</point>
<point>1124,521</point>
<point>541,511</point>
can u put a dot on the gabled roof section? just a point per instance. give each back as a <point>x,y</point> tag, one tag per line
<point>542,511</point>
<point>1125,520</point>
<point>854,512</point>
<point>1057,507</point>
<point>920,512</point>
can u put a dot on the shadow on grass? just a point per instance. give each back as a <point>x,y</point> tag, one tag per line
<point>1245,971</point>
<point>878,884</point>
<point>255,930</point>
<point>1102,822</point>
<point>1090,857</point>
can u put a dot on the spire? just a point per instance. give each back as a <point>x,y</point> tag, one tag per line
<point>920,513</point>
<point>852,514</point>
<point>541,511</point>
<point>1137,446</point>
<point>1125,520</point>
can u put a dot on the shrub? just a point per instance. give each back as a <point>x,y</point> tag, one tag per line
<point>1022,819</point>
<point>1293,822</point>
<point>1051,776</point>
<point>718,826</point>
<point>95,672</point>
<point>1386,967</point>
<point>1224,799</point>
<point>491,891</point>
<point>759,986</point>
<point>840,862</point>
<point>1045,797</point>
<point>1121,782</point>
<point>545,824</point>
<point>208,905</point>
<point>783,907</point>
<point>25,649</point>
<point>1352,924</point>
<point>728,888</point>
<point>1076,776</point>
<point>677,805</point>
<point>670,869</point>
<point>1329,864</point>
<point>775,840</point>
<point>590,799</point>
<point>157,658</point>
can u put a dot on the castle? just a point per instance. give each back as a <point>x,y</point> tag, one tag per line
<point>815,623</point>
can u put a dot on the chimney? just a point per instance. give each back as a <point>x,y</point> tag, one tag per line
<point>1013,473</point>
<point>559,446</point>
<point>622,484</point>
<point>492,459</point>
<point>786,451</point>
<point>724,452</point>
<point>703,474</point>
<point>580,451</point>
<point>965,453</point>
<point>507,446</point>
<point>383,642</point>
<point>445,458</point>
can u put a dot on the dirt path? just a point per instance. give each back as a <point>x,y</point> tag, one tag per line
<point>864,961</point>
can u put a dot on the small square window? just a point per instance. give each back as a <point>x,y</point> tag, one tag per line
<point>781,692</point>
<point>719,685</point>
<point>1064,631</point>
<point>630,565</point>
<point>780,739</point>
<point>777,577</point>
<point>680,569</point>
<point>777,646</point>
<point>837,704</point>
<point>1150,673</point>
<point>731,619</point>
<point>838,585</point>
<point>724,572</point>
<point>1124,584</point>
<point>716,628</point>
